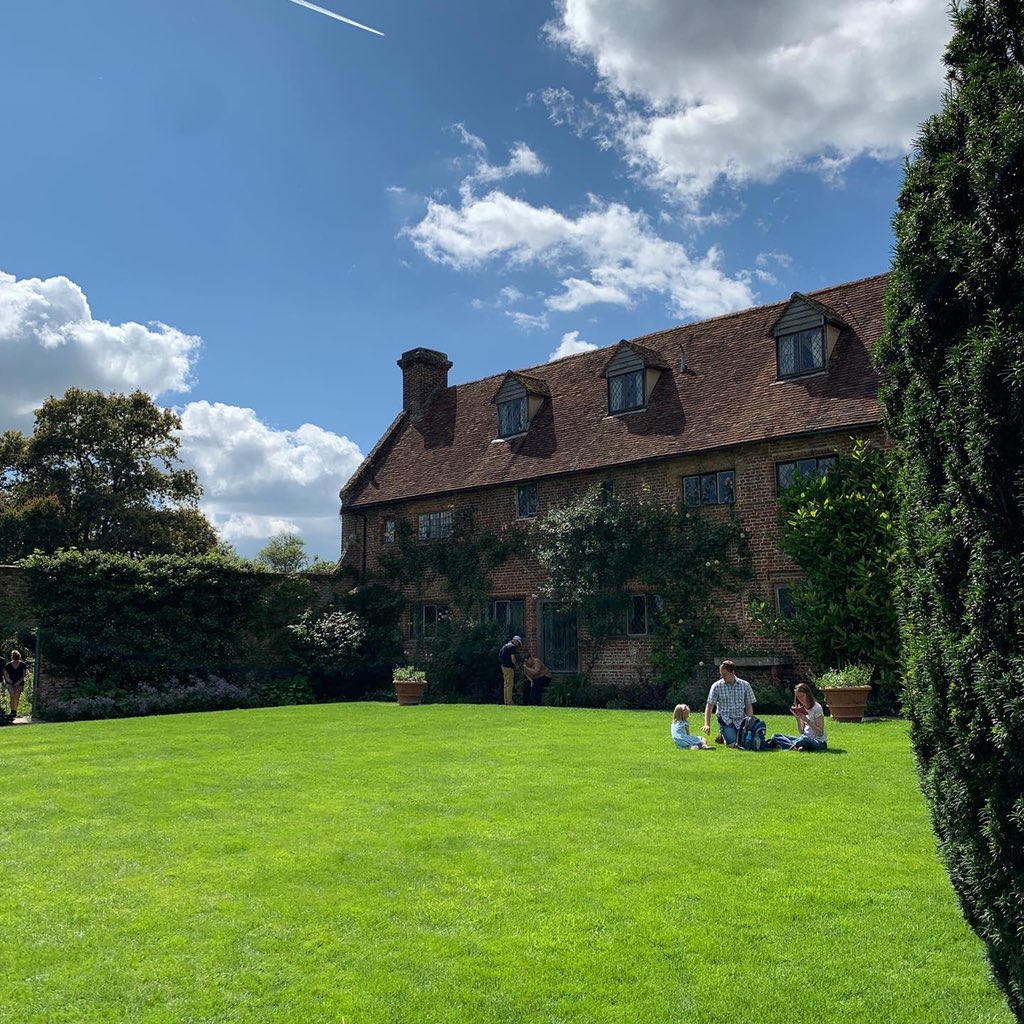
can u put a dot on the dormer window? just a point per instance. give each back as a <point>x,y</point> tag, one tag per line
<point>805,335</point>
<point>518,400</point>
<point>632,373</point>
<point>626,392</point>
<point>801,352</point>
<point>512,417</point>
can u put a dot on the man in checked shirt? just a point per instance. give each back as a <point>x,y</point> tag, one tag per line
<point>733,699</point>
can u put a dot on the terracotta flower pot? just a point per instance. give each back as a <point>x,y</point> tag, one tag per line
<point>409,691</point>
<point>846,703</point>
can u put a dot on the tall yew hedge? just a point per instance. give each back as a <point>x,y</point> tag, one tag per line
<point>952,361</point>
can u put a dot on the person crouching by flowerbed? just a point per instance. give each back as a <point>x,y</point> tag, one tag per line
<point>810,718</point>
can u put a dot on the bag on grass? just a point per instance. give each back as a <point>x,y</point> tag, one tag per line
<point>753,734</point>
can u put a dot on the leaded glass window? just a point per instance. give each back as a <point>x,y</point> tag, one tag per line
<point>526,501</point>
<point>710,488</point>
<point>512,614</point>
<point>626,392</point>
<point>435,525</point>
<point>786,473</point>
<point>424,619</point>
<point>512,417</point>
<point>802,352</point>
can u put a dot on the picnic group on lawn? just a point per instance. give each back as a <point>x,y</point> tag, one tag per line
<point>731,700</point>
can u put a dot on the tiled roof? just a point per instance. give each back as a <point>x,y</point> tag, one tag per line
<point>727,394</point>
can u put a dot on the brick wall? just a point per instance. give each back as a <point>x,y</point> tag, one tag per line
<point>523,578</point>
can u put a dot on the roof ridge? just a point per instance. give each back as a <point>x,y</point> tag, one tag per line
<point>676,327</point>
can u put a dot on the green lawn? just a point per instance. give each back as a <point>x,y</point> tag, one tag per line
<point>368,863</point>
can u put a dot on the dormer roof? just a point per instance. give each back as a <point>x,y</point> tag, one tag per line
<point>803,311</point>
<point>531,385</point>
<point>620,361</point>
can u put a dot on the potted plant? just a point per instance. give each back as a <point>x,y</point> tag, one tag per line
<point>846,691</point>
<point>409,684</point>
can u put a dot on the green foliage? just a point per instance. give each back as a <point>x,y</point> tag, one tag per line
<point>846,677</point>
<point>100,472</point>
<point>597,547</point>
<point>348,647</point>
<point>840,529</point>
<point>463,561</point>
<point>952,360</point>
<point>285,552</point>
<point>408,674</point>
<point>462,661</point>
<point>113,625</point>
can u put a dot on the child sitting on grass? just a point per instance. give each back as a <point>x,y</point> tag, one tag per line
<point>681,731</point>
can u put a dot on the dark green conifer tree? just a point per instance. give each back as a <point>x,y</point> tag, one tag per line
<point>953,387</point>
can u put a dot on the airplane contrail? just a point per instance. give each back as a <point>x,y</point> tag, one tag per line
<point>337,17</point>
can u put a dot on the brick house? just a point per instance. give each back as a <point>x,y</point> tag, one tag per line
<point>720,412</point>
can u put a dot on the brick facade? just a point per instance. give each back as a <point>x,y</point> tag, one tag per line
<point>716,398</point>
<point>494,509</point>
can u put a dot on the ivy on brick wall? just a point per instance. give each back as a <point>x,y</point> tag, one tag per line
<point>598,547</point>
<point>463,562</point>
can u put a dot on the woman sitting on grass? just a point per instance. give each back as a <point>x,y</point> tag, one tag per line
<point>681,731</point>
<point>810,717</point>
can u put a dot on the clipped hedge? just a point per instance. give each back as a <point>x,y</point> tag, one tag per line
<point>116,627</point>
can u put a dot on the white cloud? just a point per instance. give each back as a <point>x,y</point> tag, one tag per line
<point>725,90</point>
<point>571,345</point>
<point>49,341</point>
<point>522,160</point>
<point>625,259</point>
<point>257,481</point>
<point>528,321</point>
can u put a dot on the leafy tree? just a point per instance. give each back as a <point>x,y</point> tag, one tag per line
<point>100,472</point>
<point>953,364</point>
<point>840,528</point>
<point>285,552</point>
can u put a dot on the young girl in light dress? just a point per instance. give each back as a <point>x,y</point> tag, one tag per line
<point>681,731</point>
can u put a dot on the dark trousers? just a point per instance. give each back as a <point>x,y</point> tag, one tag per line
<point>533,690</point>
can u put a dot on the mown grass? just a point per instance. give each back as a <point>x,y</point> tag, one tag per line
<point>367,863</point>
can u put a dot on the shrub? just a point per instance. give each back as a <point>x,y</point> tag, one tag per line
<point>953,390</point>
<point>462,662</point>
<point>844,678</point>
<point>840,529</point>
<point>195,693</point>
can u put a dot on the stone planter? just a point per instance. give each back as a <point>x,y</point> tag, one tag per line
<point>846,703</point>
<point>409,691</point>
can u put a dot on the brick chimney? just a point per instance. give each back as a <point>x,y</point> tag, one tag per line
<point>424,374</point>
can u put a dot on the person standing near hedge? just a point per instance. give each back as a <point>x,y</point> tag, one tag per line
<point>14,677</point>
<point>733,700</point>
<point>510,658</point>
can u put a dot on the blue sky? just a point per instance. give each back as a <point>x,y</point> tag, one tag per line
<point>250,209</point>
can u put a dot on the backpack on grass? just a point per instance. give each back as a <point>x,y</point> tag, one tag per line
<point>752,734</point>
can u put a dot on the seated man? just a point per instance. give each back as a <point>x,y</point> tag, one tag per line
<point>538,675</point>
<point>733,699</point>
